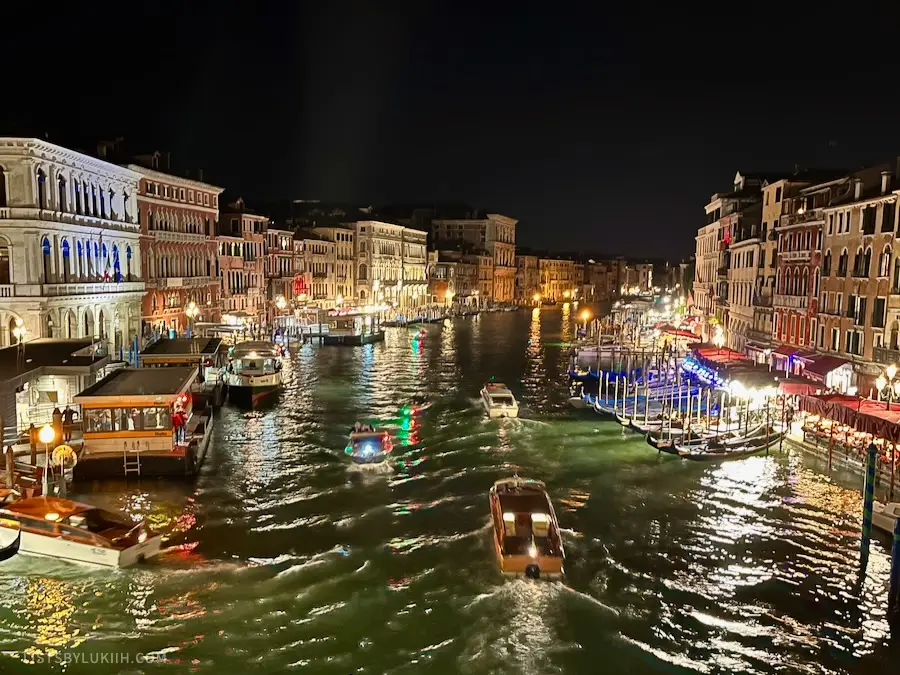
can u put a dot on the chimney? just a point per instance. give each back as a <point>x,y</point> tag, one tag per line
<point>885,182</point>
<point>857,188</point>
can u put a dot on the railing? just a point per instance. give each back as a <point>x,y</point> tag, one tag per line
<point>792,301</point>
<point>811,216</point>
<point>187,282</point>
<point>92,288</point>
<point>794,256</point>
<point>29,213</point>
<point>886,356</point>
<point>6,290</point>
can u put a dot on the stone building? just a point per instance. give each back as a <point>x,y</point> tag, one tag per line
<point>70,260</point>
<point>178,218</point>
<point>528,278</point>
<point>241,244</point>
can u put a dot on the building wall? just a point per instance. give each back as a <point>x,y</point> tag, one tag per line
<point>178,219</point>
<point>70,261</point>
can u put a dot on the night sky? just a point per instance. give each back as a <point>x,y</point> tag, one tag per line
<point>601,130</point>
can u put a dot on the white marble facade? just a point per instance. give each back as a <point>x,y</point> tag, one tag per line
<point>70,263</point>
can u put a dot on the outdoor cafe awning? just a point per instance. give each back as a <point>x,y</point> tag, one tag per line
<point>866,415</point>
<point>821,366</point>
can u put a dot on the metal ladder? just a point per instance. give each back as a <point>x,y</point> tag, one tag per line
<point>131,466</point>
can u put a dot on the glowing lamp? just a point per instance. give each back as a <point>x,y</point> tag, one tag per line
<point>891,370</point>
<point>52,517</point>
<point>46,434</point>
<point>880,383</point>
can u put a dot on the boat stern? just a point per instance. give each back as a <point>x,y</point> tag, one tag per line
<point>149,548</point>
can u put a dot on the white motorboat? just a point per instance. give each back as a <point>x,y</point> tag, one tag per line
<point>498,401</point>
<point>67,530</point>
<point>885,515</point>
<point>254,372</point>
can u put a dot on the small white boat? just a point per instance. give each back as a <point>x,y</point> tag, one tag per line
<point>254,372</point>
<point>885,515</point>
<point>498,401</point>
<point>67,530</point>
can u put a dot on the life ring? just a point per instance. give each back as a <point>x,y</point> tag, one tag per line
<point>64,457</point>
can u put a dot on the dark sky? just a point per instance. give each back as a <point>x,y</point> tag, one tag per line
<point>599,129</point>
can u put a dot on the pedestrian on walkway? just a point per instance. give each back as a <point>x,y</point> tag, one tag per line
<point>57,420</point>
<point>69,420</point>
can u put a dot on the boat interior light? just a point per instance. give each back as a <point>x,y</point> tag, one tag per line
<point>509,515</point>
<point>540,518</point>
<point>532,551</point>
<point>51,516</point>
<point>142,537</point>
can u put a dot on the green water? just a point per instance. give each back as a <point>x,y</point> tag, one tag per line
<point>283,560</point>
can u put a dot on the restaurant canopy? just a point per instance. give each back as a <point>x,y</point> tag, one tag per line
<point>866,415</point>
<point>719,357</point>
<point>821,366</point>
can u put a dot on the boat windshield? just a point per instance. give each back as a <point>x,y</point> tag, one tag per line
<point>502,400</point>
<point>367,445</point>
<point>258,364</point>
<point>96,521</point>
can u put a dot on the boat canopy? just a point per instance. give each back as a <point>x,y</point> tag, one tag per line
<point>39,507</point>
<point>257,348</point>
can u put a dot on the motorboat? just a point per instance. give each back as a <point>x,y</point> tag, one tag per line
<point>369,448</point>
<point>417,406</point>
<point>498,401</point>
<point>885,515</point>
<point>60,528</point>
<point>526,533</point>
<point>254,373</point>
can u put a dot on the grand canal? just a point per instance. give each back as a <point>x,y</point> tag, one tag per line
<point>282,560</point>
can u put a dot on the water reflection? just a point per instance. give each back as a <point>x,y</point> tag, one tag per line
<point>278,557</point>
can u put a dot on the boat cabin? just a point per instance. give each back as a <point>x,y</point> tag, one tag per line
<point>208,354</point>
<point>254,357</point>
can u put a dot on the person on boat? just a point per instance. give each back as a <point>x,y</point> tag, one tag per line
<point>357,428</point>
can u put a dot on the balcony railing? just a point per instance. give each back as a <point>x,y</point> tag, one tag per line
<point>6,290</point>
<point>811,216</point>
<point>886,356</point>
<point>794,256</point>
<point>792,301</point>
<point>56,290</point>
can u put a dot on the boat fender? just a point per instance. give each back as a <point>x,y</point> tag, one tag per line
<point>533,572</point>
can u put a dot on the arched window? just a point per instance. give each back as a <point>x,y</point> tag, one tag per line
<point>42,189</point>
<point>94,210</point>
<point>867,262</point>
<point>102,204</point>
<point>895,335</point>
<point>149,220</point>
<point>842,263</point>
<point>66,260</point>
<point>125,208</point>
<point>117,268</point>
<point>804,282</point>
<point>5,265</point>
<point>2,189</point>
<point>79,264</point>
<point>363,272</point>
<point>11,328</point>
<point>128,263</point>
<point>77,196</point>
<point>61,204</point>
<point>87,198</point>
<point>816,285</point>
<point>826,266</point>
<point>858,262</point>
<point>884,263</point>
<point>45,258</point>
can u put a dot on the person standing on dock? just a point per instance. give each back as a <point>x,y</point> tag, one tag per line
<point>57,418</point>
<point>68,420</point>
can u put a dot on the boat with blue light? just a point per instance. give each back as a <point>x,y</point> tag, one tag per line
<point>369,449</point>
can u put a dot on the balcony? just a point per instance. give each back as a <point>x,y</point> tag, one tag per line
<point>187,282</point>
<point>792,301</point>
<point>886,356</point>
<point>58,290</point>
<point>760,336</point>
<point>813,216</point>
<point>795,256</point>
<point>763,301</point>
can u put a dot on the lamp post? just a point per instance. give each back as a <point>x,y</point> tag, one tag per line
<point>719,339</point>
<point>888,385</point>
<point>191,311</point>
<point>19,332</point>
<point>585,316</point>
<point>537,298</point>
<point>46,436</point>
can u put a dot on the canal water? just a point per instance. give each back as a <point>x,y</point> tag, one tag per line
<point>283,560</point>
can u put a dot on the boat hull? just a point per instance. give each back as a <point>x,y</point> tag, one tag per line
<point>497,412</point>
<point>251,396</point>
<point>881,517</point>
<point>72,551</point>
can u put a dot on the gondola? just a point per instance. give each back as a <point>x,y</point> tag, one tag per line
<point>729,451</point>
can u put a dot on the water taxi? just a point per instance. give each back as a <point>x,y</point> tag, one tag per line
<point>498,401</point>
<point>254,373</point>
<point>526,532</point>
<point>369,449</point>
<point>67,530</point>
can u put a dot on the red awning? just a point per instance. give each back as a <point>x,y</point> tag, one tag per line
<point>798,388</point>
<point>822,365</point>
<point>785,350</point>
<point>871,417</point>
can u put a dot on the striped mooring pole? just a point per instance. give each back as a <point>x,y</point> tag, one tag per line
<point>868,504</point>
<point>894,593</point>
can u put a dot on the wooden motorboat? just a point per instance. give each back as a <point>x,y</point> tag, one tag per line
<point>369,448</point>
<point>526,533</point>
<point>60,528</point>
<point>498,401</point>
<point>254,372</point>
<point>885,515</point>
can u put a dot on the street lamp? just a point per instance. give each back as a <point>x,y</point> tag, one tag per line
<point>536,297</point>
<point>192,311</point>
<point>586,316</point>
<point>46,436</point>
<point>719,338</point>
<point>888,387</point>
<point>339,300</point>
